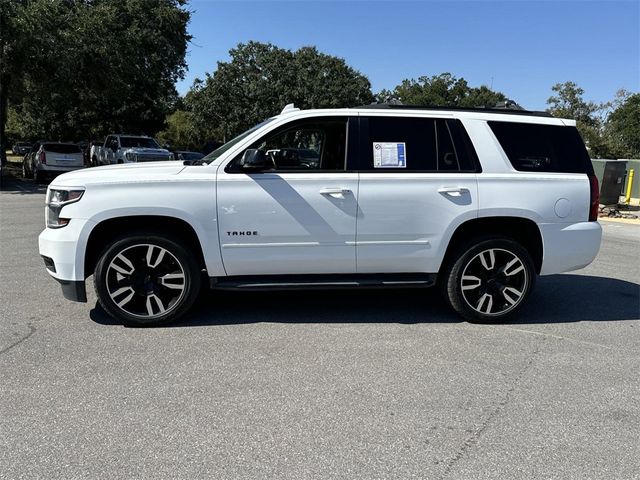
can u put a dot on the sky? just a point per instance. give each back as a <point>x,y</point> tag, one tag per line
<point>520,48</point>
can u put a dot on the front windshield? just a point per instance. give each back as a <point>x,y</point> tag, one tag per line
<point>138,142</point>
<point>219,151</point>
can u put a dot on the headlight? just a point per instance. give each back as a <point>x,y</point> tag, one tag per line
<point>56,199</point>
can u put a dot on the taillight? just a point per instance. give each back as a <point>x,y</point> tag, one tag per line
<point>43,157</point>
<point>595,198</point>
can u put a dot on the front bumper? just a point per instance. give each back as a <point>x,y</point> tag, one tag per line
<point>74,291</point>
<point>63,250</point>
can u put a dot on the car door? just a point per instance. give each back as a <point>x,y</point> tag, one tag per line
<point>417,183</point>
<point>297,217</point>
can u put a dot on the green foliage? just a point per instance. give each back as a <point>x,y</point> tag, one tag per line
<point>261,78</point>
<point>444,90</point>
<point>568,102</point>
<point>623,126</point>
<point>590,117</point>
<point>180,132</point>
<point>92,67</point>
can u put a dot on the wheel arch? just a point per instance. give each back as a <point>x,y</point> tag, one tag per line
<point>523,230</point>
<point>107,230</point>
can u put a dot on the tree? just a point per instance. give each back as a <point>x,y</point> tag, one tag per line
<point>568,102</point>
<point>83,68</point>
<point>623,126</point>
<point>444,90</point>
<point>180,132</point>
<point>22,37</point>
<point>261,79</point>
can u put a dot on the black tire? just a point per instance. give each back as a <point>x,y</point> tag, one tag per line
<point>150,287</point>
<point>488,279</point>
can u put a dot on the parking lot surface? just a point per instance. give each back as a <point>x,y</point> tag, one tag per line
<point>350,384</point>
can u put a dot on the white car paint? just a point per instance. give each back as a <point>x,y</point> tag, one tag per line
<point>342,222</point>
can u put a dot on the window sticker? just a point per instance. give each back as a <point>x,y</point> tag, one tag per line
<point>389,155</point>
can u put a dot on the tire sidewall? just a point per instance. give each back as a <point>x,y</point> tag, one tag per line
<point>176,248</point>
<point>453,289</point>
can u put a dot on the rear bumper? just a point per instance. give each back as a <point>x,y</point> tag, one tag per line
<point>569,246</point>
<point>54,170</point>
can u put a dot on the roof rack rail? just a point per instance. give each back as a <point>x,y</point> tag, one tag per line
<point>507,109</point>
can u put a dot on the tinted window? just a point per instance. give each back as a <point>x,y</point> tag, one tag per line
<point>398,144</point>
<point>138,142</point>
<point>231,143</point>
<point>61,148</point>
<point>542,148</point>
<point>427,145</point>
<point>307,145</point>
<point>447,157</point>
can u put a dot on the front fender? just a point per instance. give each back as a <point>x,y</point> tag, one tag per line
<point>191,201</point>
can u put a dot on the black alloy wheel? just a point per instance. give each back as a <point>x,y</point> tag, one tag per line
<point>490,280</point>
<point>146,280</point>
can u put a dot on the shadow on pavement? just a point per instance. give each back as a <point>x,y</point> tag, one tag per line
<point>556,299</point>
<point>21,186</point>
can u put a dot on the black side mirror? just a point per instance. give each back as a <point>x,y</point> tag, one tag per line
<point>254,160</point>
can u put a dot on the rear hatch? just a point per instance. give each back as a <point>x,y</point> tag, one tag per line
<point>63,155</point>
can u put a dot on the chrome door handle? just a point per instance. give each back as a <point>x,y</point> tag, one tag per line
<point>335,192</point>
<point>453,191</point>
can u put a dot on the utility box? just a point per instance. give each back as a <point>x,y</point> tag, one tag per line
<point>612,179</point>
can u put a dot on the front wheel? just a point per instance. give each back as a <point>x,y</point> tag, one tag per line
<point>146,280</point>
<point>489,280</point>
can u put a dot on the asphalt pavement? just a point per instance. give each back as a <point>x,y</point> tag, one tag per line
<point>313,385</point>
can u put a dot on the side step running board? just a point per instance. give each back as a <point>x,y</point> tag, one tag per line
<point>294,282</point>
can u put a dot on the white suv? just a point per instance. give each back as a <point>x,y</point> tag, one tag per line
<point>479,202</point>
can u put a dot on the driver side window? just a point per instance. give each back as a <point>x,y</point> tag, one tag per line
<point>316,145</point>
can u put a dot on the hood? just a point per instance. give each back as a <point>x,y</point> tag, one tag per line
<point>123,173</point>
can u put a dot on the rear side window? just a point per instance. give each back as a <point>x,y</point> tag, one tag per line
<point>61,148</point>
<point>404,144</point>
<point>542,148</point>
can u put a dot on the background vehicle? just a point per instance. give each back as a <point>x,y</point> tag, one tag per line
<point>131,149</point>
<point>93,152</point>
<point>477,202</point>
<point>21,148</point>
<point>47,159</point>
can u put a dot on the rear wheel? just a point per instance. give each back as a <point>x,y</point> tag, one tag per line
<point>489,280</point>
<point>146,280</point>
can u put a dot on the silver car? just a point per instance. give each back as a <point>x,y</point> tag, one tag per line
<point>47,159</point>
